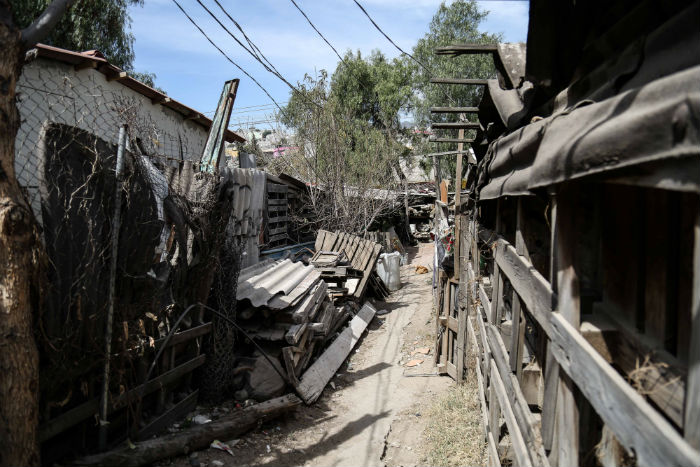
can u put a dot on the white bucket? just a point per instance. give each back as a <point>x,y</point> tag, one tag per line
<point>389,271</point>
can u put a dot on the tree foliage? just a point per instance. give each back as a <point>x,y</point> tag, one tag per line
<point>344,149</point>
<point>103,25</point>
<point>456,23</point>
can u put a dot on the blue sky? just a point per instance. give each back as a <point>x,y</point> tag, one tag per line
<point>193,72</point>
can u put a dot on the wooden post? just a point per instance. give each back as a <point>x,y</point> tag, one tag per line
<point>437,177</point>
<point>458,196</point>
<point>518,320</point>
<point>569,306</point>
<point>692,398</point>
<point>551,369</point>
<point>497,281</point>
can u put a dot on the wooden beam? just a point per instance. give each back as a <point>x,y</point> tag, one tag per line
<point>317,376</point>
<point>456,126</point>
<point>516,399</point>
<point>479,378</point>
<point>116,76</point>
<point>160,100</point>
<point>461,49</point>
<point>569,307</point>
<point>194,116</point>
<point>193,439</point>
<point>637,425</point>
<point>454,110</point>
<point>85,64</point>
<point>450,140</point>
<point>692,398</point>
<point>467,81</point>
<point>522,455</point>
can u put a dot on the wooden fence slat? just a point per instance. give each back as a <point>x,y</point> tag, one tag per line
<point>515,397</point>
<point>522,456</point>
<point>494,460</point>
<point>637,425</point>
<point>479,378</point>
<point>692,398</point>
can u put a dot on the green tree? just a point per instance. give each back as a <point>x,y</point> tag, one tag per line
<point>343,147</point>
<point>456,23</point>
<point>103,25</point>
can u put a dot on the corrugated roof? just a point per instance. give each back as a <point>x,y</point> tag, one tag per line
<point>276,284</point>
<point>94,59</point>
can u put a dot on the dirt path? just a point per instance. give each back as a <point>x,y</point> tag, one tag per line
<point>372,412</point>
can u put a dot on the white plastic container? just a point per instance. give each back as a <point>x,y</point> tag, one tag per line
<point>389,271</point>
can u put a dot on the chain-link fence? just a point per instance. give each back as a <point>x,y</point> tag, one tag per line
<point>172,247</point>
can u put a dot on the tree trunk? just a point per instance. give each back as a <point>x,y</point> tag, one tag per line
<point>19,253</point>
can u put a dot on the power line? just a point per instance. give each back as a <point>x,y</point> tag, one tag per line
<point>225,55</point>
<point>254,55</point>
<point>389,38</point>
<point>319,32</point>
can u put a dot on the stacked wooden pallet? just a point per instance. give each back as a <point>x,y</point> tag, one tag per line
<point>349,276</point>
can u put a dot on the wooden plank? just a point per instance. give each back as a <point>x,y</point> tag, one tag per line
<point>320,236</point>
<point>533,289</point>
<point>178,411</point>
<point>454,110</point>
<point>371,262</point>
<point>551,369</point>
<point>465,81</point>
<point>460,49</point>
<point>462,337</point>
<point>276,188</point>
<point>451,370</point>
<point>294,334</point>
<point>692,399</point>
<point>663,378</point>
<point>278,230</point>
<point>184,336</point>
<point>322,370</point>
<point>637,425</point>
<point>484,300</point>
<point>516,399</point>
<point>494,459</point>
<point>569,306</point>
<point>288,357</point>
<point>522,456</point>
<point>86,410</point>
<point>450,140</point>
<point>195,438</point>
<point>445,314</point>
<point>456,126</point>
<point>479,378</point>
<point>494,409</point>
<point>276,202</point>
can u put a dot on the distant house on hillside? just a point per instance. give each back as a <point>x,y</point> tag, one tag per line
<point>83,91</point>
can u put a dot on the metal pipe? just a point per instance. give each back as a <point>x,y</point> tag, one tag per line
<point>116,224</point>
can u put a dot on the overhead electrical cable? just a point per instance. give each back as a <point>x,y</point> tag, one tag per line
<point>316,29</point>
<point>225,55</point>
<point>254,55</point>
<point>424,66</point>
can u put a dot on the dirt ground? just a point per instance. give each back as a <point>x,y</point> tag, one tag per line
<point>375,410</point>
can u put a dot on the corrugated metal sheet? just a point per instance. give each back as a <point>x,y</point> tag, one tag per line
<point>276,284</point>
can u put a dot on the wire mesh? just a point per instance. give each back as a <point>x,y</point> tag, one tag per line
<point>173,240</point>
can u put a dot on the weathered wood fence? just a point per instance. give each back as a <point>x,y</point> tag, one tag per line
<point>584,327</point>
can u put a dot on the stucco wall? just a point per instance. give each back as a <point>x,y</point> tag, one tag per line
<point>51,91</point>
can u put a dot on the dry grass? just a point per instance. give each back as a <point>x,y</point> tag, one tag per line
<point>454,436</point>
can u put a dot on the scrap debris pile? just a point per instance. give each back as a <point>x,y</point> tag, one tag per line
<point>421,207</point>
<point>292,310</point>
